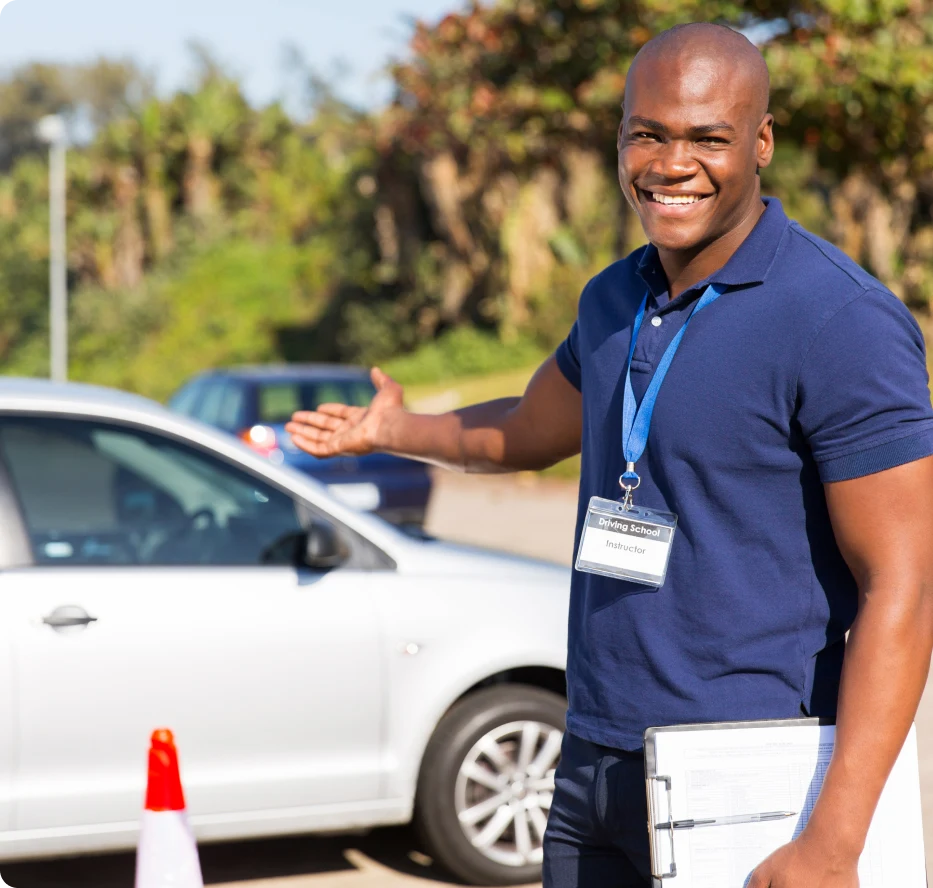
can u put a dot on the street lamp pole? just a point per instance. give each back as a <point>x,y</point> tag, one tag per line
<point>51,129</point>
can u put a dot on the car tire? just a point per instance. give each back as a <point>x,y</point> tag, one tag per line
<point>491,758</point>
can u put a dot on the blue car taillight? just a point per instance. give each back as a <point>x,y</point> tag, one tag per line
<point>262,439</point>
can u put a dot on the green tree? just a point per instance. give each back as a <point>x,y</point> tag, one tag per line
<point>497,103</point>
<point>852,86</point>
<point>205,231</point>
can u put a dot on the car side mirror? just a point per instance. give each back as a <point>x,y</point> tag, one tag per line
<point>323,548</point>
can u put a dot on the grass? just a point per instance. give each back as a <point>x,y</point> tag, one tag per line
<point>470,389</point>
<point>454,393</point>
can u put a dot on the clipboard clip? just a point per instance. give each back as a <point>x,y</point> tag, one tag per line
<point>657,786</point>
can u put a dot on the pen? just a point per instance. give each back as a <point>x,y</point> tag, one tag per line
<point>727,821</point>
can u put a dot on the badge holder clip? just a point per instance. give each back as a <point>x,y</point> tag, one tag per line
<point>626,541</point>
<point>629,489</point>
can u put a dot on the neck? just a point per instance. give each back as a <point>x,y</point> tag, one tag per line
<point>685,268</point>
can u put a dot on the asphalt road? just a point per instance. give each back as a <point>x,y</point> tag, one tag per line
<point>481,511</point>
<point>387,857</point>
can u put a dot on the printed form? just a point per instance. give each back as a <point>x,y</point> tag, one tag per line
<point>718,773</point>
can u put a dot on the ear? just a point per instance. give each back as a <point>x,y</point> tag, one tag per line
<point>764,141</point>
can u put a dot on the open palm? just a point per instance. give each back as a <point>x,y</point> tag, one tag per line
<point>342,430</point>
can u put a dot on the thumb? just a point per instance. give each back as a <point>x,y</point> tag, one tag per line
<point>382,380</point>
<point>760,878</point>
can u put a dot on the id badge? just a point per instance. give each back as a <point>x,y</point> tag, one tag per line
<point>630,544</point>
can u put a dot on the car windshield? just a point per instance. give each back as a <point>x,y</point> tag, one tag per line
<point>277,401</point>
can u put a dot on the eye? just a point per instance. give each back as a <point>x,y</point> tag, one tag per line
<point>644,135</point>
<point>712,140</point>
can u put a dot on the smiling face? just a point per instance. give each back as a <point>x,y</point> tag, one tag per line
<point>693,135</point>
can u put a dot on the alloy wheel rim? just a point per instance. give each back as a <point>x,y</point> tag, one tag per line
<point>504,791</point>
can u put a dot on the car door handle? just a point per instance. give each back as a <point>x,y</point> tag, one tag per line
<point>68,617</point>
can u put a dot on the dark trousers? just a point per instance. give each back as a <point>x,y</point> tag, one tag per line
<point>597,833</point>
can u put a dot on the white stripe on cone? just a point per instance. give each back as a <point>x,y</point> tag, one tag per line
<point>167,855</point>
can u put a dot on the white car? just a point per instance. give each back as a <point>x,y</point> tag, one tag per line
<point>320,669</point>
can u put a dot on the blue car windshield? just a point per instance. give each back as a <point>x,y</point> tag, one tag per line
<point>277,401</point>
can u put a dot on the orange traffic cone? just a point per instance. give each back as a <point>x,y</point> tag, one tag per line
<point>168,855</point>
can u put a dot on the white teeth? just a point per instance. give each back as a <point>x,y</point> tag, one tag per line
<point>672,199</point>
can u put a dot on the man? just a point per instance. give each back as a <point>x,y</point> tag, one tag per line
<point>792,437</point>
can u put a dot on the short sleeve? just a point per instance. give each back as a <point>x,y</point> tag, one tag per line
<point>568,357</point>
<point>863,395</point>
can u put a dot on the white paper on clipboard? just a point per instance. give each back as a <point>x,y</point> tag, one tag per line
<point>697,771</point>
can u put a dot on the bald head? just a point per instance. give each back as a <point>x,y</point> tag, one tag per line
<point>716,51</point>
<point>695,132</point>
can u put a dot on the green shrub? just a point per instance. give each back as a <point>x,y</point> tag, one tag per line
<point>463,352</point>
<point>221,307</point>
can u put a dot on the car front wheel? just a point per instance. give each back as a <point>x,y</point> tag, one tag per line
<point>487,781</point>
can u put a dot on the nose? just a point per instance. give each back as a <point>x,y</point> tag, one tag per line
<point>675,161</point>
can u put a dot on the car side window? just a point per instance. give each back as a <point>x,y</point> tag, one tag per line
<point>212,402</point>
<point>230,411</point>
<point>106,494</point>
<point>279,400</point>
<point>185,400</point>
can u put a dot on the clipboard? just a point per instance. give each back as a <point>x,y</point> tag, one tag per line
<point>715,774</point>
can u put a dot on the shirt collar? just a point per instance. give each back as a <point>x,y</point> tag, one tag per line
<point>749,264</point>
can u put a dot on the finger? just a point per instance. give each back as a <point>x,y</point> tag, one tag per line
<point>310,433</point>
<point>317,421</point>
<point>316,443</point>
<point>382,380</point>
<point>304,416</point>
<point>330,423</point>
<point>341,411</point>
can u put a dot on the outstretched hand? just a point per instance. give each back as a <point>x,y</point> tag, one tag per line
<point>341,430</point>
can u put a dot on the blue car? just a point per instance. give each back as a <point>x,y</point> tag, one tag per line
<point>254,403</point>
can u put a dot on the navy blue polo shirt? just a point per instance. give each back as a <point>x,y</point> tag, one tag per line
<point>806,370</point>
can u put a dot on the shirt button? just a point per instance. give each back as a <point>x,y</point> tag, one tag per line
<point>655,321</point>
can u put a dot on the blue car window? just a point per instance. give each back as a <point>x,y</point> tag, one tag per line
<point>230,410</point>
<point>185,400</point>
<point>279,400</point>
<point>327,393</point>
<point>359,394</point>
<point>211,403</point>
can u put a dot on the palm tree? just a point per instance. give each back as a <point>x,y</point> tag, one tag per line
<point>153,147</point>
<point>212,119</point>
<point>117,156</point>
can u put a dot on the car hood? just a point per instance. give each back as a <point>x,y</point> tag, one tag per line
<point>456,559</point>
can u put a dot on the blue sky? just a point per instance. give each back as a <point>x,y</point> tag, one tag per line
<point>246,36</point>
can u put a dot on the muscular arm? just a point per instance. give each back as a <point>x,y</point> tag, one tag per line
<point>883,525</point>
<point>540,428</point>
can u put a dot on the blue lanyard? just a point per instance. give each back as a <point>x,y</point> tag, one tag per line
<point>636,422</point>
